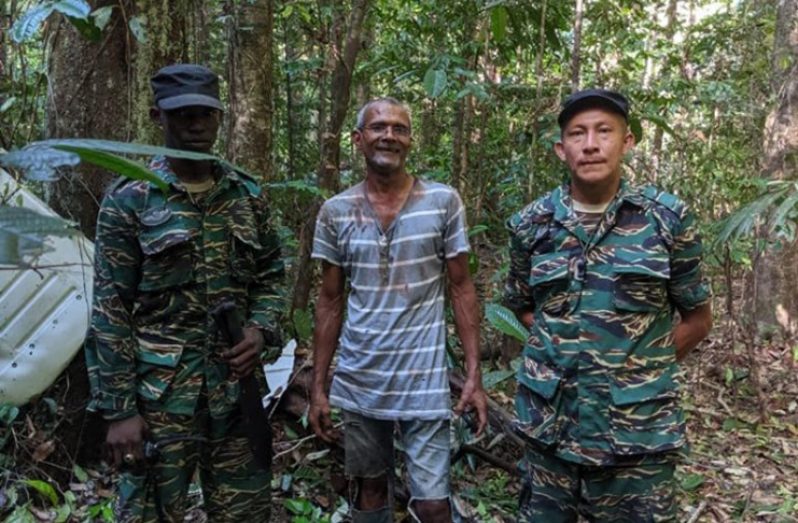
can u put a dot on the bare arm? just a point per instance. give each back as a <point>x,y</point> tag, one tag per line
<point>466,316</point>
<point>693,327</point>
<point>329,317</point>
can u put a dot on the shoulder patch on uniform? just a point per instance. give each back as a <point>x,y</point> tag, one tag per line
<point>667,200</point>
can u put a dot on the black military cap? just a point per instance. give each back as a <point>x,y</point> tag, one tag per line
<point>181,85</point>
<point>591,98</point>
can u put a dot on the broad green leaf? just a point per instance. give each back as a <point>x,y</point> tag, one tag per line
<point>39,162</point>
<point>102,16</point>
<point>494,377</point>
<point>138,26</point>
<point>136,149</point>
<point>21,514</point>
<point>30,21</point>
<point>434,82</point>
<point>298,506</point>
<point>637,128</point>
<point>287,11</point>
<point>730,424</point>
<point>79,473</point>
<point>477,229</point>
<point>784,209</point>
<point>728,376</point>
<point>86,28</point>
<point>692,481</point>
<point>62,513</point>
<point>473,263</point>
<point>8,413</point>
<point>795,354</point>
<point>44,488</point>
<point>10,101</point>
<point>118,164</point>
<point>73,8</point>
<point>505,321</point>
<point>498,22</point>
<point>659,122</point>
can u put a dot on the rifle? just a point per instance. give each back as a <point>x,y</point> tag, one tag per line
<point>256,422</point>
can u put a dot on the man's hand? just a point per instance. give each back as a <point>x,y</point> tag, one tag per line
<point>474,396</point>
<point>125,440</point>
<point>243,358</point>
<point>320,420</point>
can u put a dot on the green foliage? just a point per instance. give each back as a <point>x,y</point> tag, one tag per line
<point>775,208</point>
<point>435,81</point>
<point>304,511</point>
<point>504,320</point>
<point>498,22</point>
<point>42,487</point>
<point>492,378</point>
<point>303,324</point>
<point>76,11</point>
<point>138,27</point>
<point>692,482</point>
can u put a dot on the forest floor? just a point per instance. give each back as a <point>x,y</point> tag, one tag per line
<point>743,464</point>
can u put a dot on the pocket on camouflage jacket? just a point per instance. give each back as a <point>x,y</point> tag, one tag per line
<point>640,279</point>
<point>168,259</point>
<point>538,402</point>
<point>645,415</point>
<point>549,281</point>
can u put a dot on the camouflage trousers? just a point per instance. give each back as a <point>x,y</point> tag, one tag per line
<point>233,487</point>
<point>559,491</point>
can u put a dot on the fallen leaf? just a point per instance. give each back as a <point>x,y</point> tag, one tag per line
<point>43,451</point>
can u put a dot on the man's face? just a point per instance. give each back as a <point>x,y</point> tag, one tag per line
<point>192,128</point>
<point>593,144</point>
<point>385,138</point>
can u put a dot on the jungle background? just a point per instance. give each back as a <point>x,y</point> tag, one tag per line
<point>714,90</point>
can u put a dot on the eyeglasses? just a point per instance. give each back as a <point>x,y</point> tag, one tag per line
<point>381,128</point>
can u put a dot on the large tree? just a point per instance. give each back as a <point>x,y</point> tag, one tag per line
<point>772,301</point>
<point>249,75</point>
<point>89,96</point>
<point>342,59</point>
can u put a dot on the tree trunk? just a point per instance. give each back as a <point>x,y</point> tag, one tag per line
<point>656,144</point>
<point>328,171</point>
<point>170,39</point>
<point>462,119</point>
<point>249,73</point>
<point>576,55</point>
<point>772,301</point>
<point>89,97</point>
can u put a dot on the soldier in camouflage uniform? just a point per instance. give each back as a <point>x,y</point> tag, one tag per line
<point>598,268</point>
<point>158,370</point>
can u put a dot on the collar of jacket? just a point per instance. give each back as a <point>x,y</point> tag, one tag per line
<point>160,166</point>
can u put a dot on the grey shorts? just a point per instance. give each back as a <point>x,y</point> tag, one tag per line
<point>370,452</point>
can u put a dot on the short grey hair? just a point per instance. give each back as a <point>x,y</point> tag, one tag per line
<point>390,100</point>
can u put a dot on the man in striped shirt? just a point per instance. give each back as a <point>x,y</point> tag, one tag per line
<point>396,239</point>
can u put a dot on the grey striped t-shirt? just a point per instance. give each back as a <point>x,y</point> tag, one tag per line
<point>391,353</point>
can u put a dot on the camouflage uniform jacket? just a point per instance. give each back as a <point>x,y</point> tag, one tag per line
<point>600,384</point>
<point>161,264</point>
